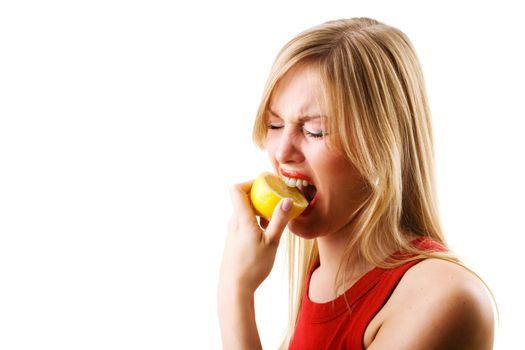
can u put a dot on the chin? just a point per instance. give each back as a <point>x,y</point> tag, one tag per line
<point>303,229</point>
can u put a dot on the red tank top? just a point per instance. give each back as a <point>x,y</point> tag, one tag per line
<point>341,323</point>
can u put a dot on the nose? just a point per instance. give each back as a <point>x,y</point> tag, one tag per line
<point>289,148</point>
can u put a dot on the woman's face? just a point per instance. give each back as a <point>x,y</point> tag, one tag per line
<point>298,149</point>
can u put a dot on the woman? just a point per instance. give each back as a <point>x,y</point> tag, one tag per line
<point>345,109</point>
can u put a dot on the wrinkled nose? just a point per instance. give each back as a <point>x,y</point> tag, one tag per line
<point>289,148</point>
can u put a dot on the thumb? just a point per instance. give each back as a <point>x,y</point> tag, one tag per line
<point>279,220</point>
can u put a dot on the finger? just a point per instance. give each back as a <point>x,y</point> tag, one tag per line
<point>241,201</point>
<point>279,220</point>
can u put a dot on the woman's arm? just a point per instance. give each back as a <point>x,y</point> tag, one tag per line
<point>437,305</point>
<point>237,319</point>
<point>248,258</point>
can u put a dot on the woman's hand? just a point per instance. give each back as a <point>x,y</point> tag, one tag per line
<point>250,250</point>
<point>248,258</point>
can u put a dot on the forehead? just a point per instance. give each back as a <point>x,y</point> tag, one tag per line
<point>298,93</point>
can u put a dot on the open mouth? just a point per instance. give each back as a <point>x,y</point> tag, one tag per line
<point>308,192</point>
<point>307,189</point>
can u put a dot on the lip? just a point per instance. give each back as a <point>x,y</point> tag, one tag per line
<point>298,175</point>
<point>295,174</point>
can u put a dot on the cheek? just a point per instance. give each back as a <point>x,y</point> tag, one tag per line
<point>271,146</point>
<point>343,176</point>
<point>324,160</point>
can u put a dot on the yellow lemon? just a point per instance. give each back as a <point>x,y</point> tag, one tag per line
<point>268,189</point>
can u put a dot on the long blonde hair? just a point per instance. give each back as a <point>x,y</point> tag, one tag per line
<point>379,118</point>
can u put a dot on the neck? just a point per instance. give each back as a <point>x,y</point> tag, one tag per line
<point>334,258</point>
<point>325,283</point>
<point>332,250</point>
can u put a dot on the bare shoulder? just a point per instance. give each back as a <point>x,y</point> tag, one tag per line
<point>437,305</point>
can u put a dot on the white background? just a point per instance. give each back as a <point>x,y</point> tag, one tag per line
<point>123,124</point>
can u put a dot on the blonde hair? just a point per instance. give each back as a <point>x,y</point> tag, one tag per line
<point>379,118</point>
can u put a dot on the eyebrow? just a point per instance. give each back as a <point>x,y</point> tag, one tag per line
<point>302,118</point>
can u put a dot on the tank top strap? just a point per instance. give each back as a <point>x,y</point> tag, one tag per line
<point>375,301</point>
<point>378,297</point>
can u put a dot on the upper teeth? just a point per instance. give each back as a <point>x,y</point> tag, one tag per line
<point>292,182</point>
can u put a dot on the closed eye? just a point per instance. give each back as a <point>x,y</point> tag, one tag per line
<point>316,134</point>
<point>274,126</point>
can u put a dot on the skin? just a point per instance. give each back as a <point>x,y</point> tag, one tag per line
<point>437,305</point>
<point>340,189</point>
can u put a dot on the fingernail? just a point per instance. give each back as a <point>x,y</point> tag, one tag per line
<point>286,204</point>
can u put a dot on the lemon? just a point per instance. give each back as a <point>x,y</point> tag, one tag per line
<point>268,189</point>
